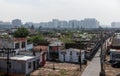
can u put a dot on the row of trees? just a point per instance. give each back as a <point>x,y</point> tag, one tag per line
<point>23,33</point>
<point>66,36</point>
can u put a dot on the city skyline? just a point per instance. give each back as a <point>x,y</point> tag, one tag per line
<point>105,11</point>
<point>54,23</point>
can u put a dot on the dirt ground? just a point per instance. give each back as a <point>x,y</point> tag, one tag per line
<point>109,70</point>
<point>61,69</point>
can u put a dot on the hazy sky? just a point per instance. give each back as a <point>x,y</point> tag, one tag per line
<point>104,11</point>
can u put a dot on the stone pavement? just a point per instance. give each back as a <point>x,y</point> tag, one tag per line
<point>93,68</point>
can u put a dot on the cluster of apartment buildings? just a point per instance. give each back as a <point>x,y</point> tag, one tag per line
<point>9,25</point>
<point>72,24</point>
<point>115,24</point>
<point>55,23</point>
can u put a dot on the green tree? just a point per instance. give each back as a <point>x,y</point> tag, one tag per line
<point>37,39</point>
<point>21,32</point>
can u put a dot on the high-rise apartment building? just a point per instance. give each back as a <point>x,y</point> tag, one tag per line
<point>17,22</point>
<point>74,24</point>
<point>5,25</point>
<point>63,24</point>
<point>90,23</point>
<point>55,23</point>
<point>115,24</point>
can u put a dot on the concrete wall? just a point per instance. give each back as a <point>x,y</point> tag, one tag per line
<point>28,70</point>
<point>74,57</point>
<point>27,46</point>
<point>16,66</point>
<point>20,67</point>
<point>20,45</point>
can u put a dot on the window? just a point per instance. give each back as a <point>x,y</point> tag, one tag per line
<point>38,62</point>
<point>29,65</point>
<point>23,45</point>
<point>54,55</point>
<point>78,53</point>
<point>17,46</point>
<point>70,52</point>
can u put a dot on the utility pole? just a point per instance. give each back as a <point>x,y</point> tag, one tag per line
<point>80,57</point>
<point>63,53</point>
<point>7,51</point>
<point>54,56</point>
<point>102,72</point>
<point>80,61</point>
<point>53,66</point>
<point>8,61</point>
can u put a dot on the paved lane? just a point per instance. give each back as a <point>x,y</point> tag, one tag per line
<point>93,68</point>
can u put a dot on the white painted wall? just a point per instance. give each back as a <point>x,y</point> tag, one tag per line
<point>29,46</point>
<point>74,57</point>
<point>28,70</point>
